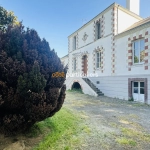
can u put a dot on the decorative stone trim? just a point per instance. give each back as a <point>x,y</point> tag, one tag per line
<point>77,41</point>
<point>130,80</point>
<point>129,49</point>
<point>100,20</point>
<point>84,37</point>
<point>73,58</point>
<point>114,32</point>
<point>85,53</point>
<point>101,50</point>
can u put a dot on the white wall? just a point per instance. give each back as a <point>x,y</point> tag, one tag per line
<point>125,20</point>
<point>64,60</point>
<point>122,54</point>
<point>89,31</point>
<point>117,86</point>
<point>86,89</point>
<point>108,21</point>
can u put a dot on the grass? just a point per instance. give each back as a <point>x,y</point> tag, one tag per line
<point>134,133</point>
<point>125,141</point>
<point>63,131</point>
<point>76,90</point>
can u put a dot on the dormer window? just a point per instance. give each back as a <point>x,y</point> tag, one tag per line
<point>98,30</point>
<point>74,42</point>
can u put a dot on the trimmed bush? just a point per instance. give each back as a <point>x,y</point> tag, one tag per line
<point>28,92</point>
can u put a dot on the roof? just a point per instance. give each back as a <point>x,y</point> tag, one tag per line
<point>139,23</point>
<point>64,56</point>
<point>136,25</point>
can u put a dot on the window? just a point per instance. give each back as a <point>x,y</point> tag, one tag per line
<point>74,43</point>
<point>74,64</point>
<point>138,51</point>
<point>98,59</point>
<point>98,30</point>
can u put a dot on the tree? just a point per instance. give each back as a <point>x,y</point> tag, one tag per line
<point>7,18</point>
<point>28,92</point>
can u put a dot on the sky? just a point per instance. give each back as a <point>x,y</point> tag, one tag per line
<point>55,20</point>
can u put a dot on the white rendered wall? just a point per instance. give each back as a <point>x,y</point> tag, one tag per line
<point>90,37</point>
<point>64,60</point>
<point>89,45</point>
<point>86,89</point>
<point>108,25</point>
<point>117,86</point>
<point>125,20</point>
<point>122,54</point>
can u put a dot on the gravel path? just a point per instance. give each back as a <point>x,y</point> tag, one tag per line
<point>113,124</point>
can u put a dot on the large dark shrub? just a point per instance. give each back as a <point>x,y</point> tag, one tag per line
<point>28,92</point>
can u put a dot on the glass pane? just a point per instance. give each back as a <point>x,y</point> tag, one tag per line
<point>136,56</point>
<point>97,60</point>
<point>141,84</point>
<point>135,84</point>
<point>142,56</point>
<point>136,45</point>
<point>97,65</point>
<point>99,30</point>
<point>97,55</point>
<point>142,44</point>
<point>141,90</point>
<point>135,90</point>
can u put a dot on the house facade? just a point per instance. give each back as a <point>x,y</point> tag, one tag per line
<point>110,55</point>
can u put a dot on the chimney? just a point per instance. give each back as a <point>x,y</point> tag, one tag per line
<point>133,5</point>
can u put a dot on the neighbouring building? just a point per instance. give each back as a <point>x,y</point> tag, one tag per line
<point>115,46</point>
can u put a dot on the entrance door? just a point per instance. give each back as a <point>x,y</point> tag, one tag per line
<point>138,91</point>
<point>84,64</point>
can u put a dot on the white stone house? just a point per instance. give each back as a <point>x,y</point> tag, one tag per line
<point>115,46</point>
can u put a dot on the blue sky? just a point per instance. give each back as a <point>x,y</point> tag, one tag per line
<point>55,20</point>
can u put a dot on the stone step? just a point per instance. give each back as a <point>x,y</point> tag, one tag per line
<point>99,93</point>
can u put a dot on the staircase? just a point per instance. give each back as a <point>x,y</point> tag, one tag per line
<point>99,93</point>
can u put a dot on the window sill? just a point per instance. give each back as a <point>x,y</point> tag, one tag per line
<point>96,69</point>
<point>138,65</point>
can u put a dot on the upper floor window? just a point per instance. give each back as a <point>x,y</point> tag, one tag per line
<point>138,47</point>
<point>98,60</point>
<point>98,30</point>
<point>74,64</point>
<point>74,42</point>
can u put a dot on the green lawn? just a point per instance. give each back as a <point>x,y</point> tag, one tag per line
<point>61,131</point>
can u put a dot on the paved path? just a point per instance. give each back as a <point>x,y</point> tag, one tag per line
<point>114,124</point>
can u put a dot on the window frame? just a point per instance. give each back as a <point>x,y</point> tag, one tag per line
<point>138,40</point>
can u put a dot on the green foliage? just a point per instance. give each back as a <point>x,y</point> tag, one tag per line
<point>28,93</point>
<point>6,18</point>
<point>131,99</point>
<point>62,128</point>
<point>31,82</point>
